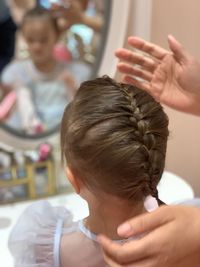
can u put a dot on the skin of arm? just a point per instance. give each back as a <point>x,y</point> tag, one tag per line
<point>94,23</point>
<point>75,14</point>
<point>68,79</point>
<point>173,239</point>
<point>18,8</point>
<point>24,4</point>
<point>172,78</point>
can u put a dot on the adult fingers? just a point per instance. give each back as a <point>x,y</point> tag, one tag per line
<point>146,222</point>
<point>143,263</point>
<point>130,251</point>
<point>130,70</point>
<point>179,52</point>
<point>135,58</point>
<point>110,262</point>
<point>149,48</point>
<point>138,83</point>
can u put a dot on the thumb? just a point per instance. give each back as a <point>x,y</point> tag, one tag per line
<point>145,222</point>
<point>179,52</point>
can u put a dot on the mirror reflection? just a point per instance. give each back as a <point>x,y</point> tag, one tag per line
<point>48,49</point>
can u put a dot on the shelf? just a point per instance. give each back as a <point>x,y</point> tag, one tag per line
<point>38,180</point>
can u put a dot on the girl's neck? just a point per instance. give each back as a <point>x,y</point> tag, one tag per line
<point>105,218</point>
<point>47,66</point>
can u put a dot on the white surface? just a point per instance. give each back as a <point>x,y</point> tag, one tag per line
<point>140,19</point>
<point>115,37</point>
<point>138,14</point>
<point>173,188</point>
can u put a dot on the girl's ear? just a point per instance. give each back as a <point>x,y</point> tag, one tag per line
<point>73,180</point>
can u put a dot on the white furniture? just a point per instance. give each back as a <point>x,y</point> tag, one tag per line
<point>172,188</point>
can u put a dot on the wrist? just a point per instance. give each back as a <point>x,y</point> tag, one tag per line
<point>84,19</point>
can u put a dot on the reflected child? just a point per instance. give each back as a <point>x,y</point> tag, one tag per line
<point>43,85</point>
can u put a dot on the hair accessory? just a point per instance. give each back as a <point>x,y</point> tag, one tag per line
<point>150,203</point>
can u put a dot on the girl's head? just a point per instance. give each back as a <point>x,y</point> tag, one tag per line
<point>114,137</point>
<point>41,33</point>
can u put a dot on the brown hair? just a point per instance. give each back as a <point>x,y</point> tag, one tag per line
<point>40,13</point>
<point>114,136</point>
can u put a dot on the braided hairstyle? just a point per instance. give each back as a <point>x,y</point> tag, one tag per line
<point>113,137</point>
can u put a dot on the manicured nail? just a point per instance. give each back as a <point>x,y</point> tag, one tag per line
<point>99,238</point>
<point>125,229</point>
<point>102,239</point>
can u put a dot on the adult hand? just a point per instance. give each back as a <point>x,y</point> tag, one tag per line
<point>71,12</point>
<point>173,78</point>
<point>173,240</point>
<point>18,9</point>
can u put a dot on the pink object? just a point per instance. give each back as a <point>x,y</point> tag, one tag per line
<point>44,151</point>
<point>150,204</point>
<point>39,128</point>
<point>61,53</point>
<point>7,104</point>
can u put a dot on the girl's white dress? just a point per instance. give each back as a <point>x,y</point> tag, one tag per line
<point>46,236</point>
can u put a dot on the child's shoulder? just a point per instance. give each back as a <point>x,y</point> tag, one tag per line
<point>16,63</point>
<point>15,68</point>
<point>37,234</point>
<point>89,250</point>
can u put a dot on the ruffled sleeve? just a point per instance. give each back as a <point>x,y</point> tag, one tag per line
<point>35,239</point>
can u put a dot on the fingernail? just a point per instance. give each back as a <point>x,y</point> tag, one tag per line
<point>170,35</point>
<point>99,238</point>
<point>102,239</point>
<point>125,229</point>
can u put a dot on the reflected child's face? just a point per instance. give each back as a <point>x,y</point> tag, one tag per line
<point>41,37</point>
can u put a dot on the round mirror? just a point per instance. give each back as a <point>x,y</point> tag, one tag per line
<point>33,93</point>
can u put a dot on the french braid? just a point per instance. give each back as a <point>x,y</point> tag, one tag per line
<point>146,139</point>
